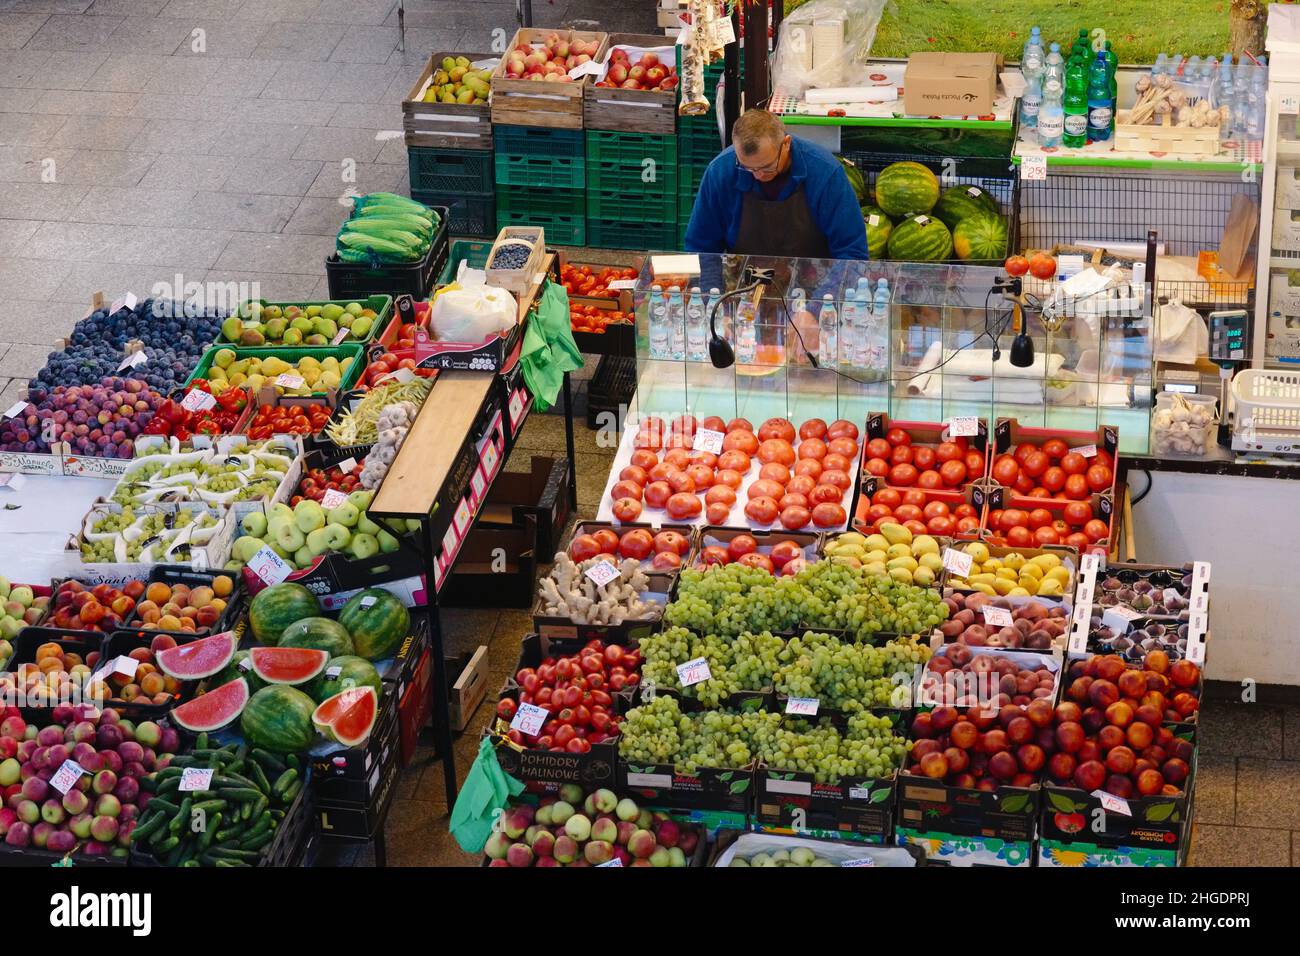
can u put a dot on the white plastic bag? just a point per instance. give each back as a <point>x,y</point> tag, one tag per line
<point>473,313</point>
<point>825,43</point>
<point>1181,334</point>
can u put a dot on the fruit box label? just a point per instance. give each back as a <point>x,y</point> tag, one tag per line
<point>78,467</point>
<point>31,464</point>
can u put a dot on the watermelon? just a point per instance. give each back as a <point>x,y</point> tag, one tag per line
<point>198,659</point>
<point>288,665</point>
<point>235,670</point>
<point>320,633</point>
<point>855,179</point>
<point>352,672</point>
<point>213,710</point>
<point>348,716</point>
<point>903,189</point>
<point>981,237</point>
<point>276,607</point>
<point>377,621</point>
<point>920,239</point>
<point>958,202</point>
<point>278,718</point>
<point>878,232</point>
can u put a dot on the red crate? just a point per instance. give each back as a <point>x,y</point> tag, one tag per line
<point>1102,507</point>
<point>927,435</point>
<point>973,495</point>
<point>1009,434</point>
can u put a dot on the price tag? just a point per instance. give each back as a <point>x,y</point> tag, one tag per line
<point>13,481</point>
<point>1289,104</point>
<point>614,862</point>
<point>66,777</point>
<point>1088,563</point>
<point>1113,804</point>
<point>1033,168</point>
<point>873,220</point>
<point>126,666</point>
<point>332,499</point>
<point>1085,592</point>
<point>132,360</point>
<point>489,458</point>
<point>16,409</point>
<point>478,484</point>
<point>1197,624</point>
<point>193,778</point>
<point>602,572</point>
<point>865,861</point>
<point>463,516</point>
<point>246,664</point>
<point>332,672</point>
<point>958,562</point>
<point>619,284</point>
<point>269,566</point>
<point>726,33</point>
<point>197,400</point>
<point>127,301</point>
<point>995,616</point>
<point>1118,618</point>
<point>1201,601</point>
<point>516,408</point>
<point>1087,451</point>
<point>706,439</point>
<point>804,706</point>
<point>199,559</point>
<point>529,719</point>
<point>346,465</point>
<point>694,672</point>
<point>859,793</point>
<point>340,336</point>
<point>289,380</point>
<point>367,602</point>
<point>966,426</point>
<point>1079,642</point>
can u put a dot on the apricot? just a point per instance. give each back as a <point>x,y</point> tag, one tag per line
<point>201,597</point>
<point>222,585</point>
<point>158,593</point>
<point>151,684</point>
<point>48,650</point>
<point>170,622</point>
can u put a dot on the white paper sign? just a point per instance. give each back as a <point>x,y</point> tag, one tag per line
<point>965,426</point>
<point>1087,451</point>
<point>16,409</point>
<point>1200,572</point>
<point>1119,617</point>
<point>1196,651</point>
<point>194,778</point>
<point>367,602</point>
<point>996,616</point>
<point>1079,642</point>
<point>346,465</point>
<point>1033,168</point>
<point>66,777</point>
<point>706,439</point>
<point>339,336</point>
<point>617,285</point>
<point>197,400</point>
<point>401,376</point>
<point>333,672</point>
<point>614,862</point>
<point>805,706</point>
<point>1113,804</point>
<point>132,360</point>
<point>13,481</point>
<point>127,301</point>
<point>269,566</point>
<point>332,499</point>
<point>289,380</point>
<point>958,562</point>
<point>602,572</point>
<point>126,666</point>
<point>529,719</point>
<point>694,672</point>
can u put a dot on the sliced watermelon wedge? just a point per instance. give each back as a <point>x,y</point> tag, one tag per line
<point>287,665</point>
<point>198,659</point>
<point>348,716</point>
<point>213,710</point>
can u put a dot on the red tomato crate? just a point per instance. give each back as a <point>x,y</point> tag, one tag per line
<point>865,520</point>
<point>1009,435</point>
<point>921,435</point>
<point>1101,507</point>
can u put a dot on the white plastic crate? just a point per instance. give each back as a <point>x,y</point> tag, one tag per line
<point>1267,410</point>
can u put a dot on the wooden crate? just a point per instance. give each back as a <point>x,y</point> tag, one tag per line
<point>1165,138</point>
<point>446,125</point>
<point>632,111</point>
<point>528,103</point>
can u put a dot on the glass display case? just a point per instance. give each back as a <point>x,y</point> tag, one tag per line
<point>837,339</point>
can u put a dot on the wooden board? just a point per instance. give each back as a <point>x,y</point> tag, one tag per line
<point>446,125</point>
<point>526,103</point>
<point>630,111</point>
<point>416,477</point>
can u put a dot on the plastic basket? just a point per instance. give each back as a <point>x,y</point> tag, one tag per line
<point>1268,401</point>
<point>623,234</point>
<point>291,355</point>
<point>630,150</point>
<point>640,206</point>
<point>467,215</point>
<point>540,141</point>
<point>565,229</point>
<point>614,177</point>
<point>382,305</point>
<point>465,171</point>
<point>539,157</point>
<point>171,576</point>
<point>697,149</point>
<point>348,280</point>
<point>611,387</point>
<point>464,250</point>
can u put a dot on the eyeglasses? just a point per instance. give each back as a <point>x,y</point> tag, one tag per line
<point>771,167</point>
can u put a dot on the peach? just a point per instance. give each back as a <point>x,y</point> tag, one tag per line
<point>1139,735</point>
<point>220,606</point>
<point>152,684</point>
<point>134,589</point>
<point>170,622</point>
<point>140,654</point>
<point>222,585</point>
<point>201,597</point>
<point>1120,714</point>
<point>1120,760</point>
<point>158,593</point>
<point>190,611</point>
<point>207,616</point>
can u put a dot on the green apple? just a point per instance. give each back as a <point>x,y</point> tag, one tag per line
<point>364,545</point>
<point>254,523</point>
<point>9,628</point>
<point>5,588</point>
<point>366,526</point>
<point>338,537</point>
<point>280,509</point>
<point>274,546</point>
<point>290,537</point>
<point>387,543</point>
<point>244,548</point>
<point>308,516</point>
<point>361,499</point>
<point>303,557</point>
<point>23,595</point>
<point>345,514</point>
<point>317,543</point>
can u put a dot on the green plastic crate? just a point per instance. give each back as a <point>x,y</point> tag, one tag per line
<point>685,205</point>
<point>607,148</point>
<point>464,250</point>
<point>640,206</point>
<point>381,304</point>
<point>540,141</point>
<point>291,355</point>
<point>690,177</point>
<point>561,212</point>
<point>565,229</point>
<point>697,149</point>
<point>622,234</point>
<point>543,158</point>
<point>468,172</point>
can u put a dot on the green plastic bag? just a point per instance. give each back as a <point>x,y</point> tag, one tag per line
<point>549,349</point>
<point>485,793</point>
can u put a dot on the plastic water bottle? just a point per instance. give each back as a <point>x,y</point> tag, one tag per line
<point>1192,66</point>
<point>1255,108</point>
<point>1223,95</point>
<point>1051,118</point>
<point>746,333</point>
<point>850,326</point>
<point>828,342</point>
<point>1075,131</point>
<point>798,301</point>
<point>1031,61</point>
<point>676,325</point>
<point>1054,66</point>
<point>1101,108</point>
<point>658,324</point>
<point>697,327</point>
<point>1031,102</point>
<point>723,321</point>
<point>879,326</point>
<point>1176,67</point>
<point>1161,65</point>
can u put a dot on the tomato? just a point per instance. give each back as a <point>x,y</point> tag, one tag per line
<point>1099,478</point>
<point>878,448</point>
<point>714,424</point>
<point>929,479</point>
<point>828,515</point>
<point>1077,514</point>
<point>607,540</point>
<point>1096,530</point>
<point>1078,540</point>
<point>684,505</point>
<point>834,462</point>
<point>902,475</point>
<point>740,440</point>
<point>1006,470</point>
<point>684,424</point>
<point>650,440</point>
<point>765,489</point>
<point>933,509</point>
<point>1024,484</point>
<point>636,474</point>
<point>846,447</point>
<point>672,541</point>
<point>800,485</point>
<point>714,555</point>
<point>846,429</point>
<point>761,510</point>
<point>812,448</point>
<point>888,497</point>
<point>720,494</point>
<point>1039,518</point>
<point>726,476</point>
<point>965,510</point>
<point>739,423</point>
<point>952,473</point>
<point>1042,266</point>
<point>666,561</point>
<point>756,560</point>
<point>1055,449</point>
<point>789,499</point>
<point>701,475</point>
<point>644,459</point>
<point>1054,479</point>
<point>967,524</point>
<point>974,465</point>
<point>717,513</point>
<point>909,512</point>
<point>808,466</point>
<point>1020,537</point>
<point>1013,518</point>
<point>775,471</point>
<point>661,471</point>
<point>940,524</point>
<point>776,428</point>
<point>741,544</point>
<point>657,493</point>
<point>1072,463</point>
<point>924,458</point>
<point>626,489</point>
<point>679,481</point>
<point>837,478</point>
<point>705,458</point>
<point>1076,487</point>
<point>734,460</point>
<point>876,512</point>
<point>1035,464</point>
<point>637,543</point>
<point>877,466</point>
<point>776,449</point>
<point>901,455</point>
<point>1046,535</point>
<point>795,516</point>
<point>1016,265</point>
<point>583,547</point>
<point>678,458</point>
<point>679,441</point>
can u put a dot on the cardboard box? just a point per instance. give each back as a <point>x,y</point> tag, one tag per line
<point>1007,813</point>
<point>347,821</point>
<point>1286,229</point>
<point>709,789</point>
<point>952,849</point>
<point>541,493</point>
<point>469,677</point>
<point>794,803</point>
<point>592,769</point>
<point>950,84</point>
<point>1283,340</point>
<point>416,706</point>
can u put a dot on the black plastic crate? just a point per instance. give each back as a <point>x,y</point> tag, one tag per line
<point>31,638</point>
<point>611,387</point>
<point>458,171</point>
<point>468,215</point>
<point>349,280</point>
<point>172,575</point>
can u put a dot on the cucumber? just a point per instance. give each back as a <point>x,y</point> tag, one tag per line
<point>231,863</point>
<point>163,806</point>
<point>207,836</point>
<point>259,778</point>
<point>257,842</point>
<point>208,807</point>
<point>201,742</point>
<point>284,781</point>
<point>269,761</point>
<point>167,845</point>
<point>182,817</point>
<point>147,827</point>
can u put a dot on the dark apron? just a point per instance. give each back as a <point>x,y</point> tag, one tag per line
<point>782,227</point>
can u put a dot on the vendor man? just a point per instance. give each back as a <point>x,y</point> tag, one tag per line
<point>772,194</point>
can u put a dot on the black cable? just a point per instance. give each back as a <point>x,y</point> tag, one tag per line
<point>1145,491</point>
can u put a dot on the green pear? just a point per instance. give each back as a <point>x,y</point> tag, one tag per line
<point>231,329</point>
<point>302,324</point>
<point>308,516</point>
<point>331,311</point>
<point>366,526</point>
<point>387,543</point>
<point>364,545</point>
<point>5,588</point>
<point>345,514</point>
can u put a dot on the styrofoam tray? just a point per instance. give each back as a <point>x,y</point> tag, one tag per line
<point>736,519</point>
